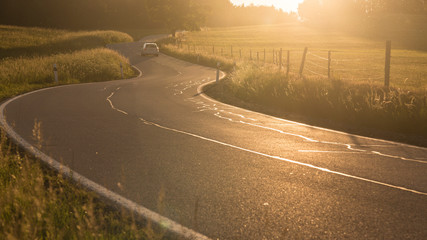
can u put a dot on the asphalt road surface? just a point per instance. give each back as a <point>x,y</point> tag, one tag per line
<point>225,172</point>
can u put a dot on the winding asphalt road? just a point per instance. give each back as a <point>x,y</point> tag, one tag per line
<point>225,172</point>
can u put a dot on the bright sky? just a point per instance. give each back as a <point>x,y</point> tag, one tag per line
<point>285,5</point>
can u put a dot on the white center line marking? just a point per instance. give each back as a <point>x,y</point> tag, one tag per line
<point>284,159</point>
<point>268,156</point>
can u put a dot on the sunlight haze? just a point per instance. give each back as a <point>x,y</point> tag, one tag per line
<point>285,5</point>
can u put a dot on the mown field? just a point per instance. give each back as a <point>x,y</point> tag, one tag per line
<point>353,95</point>
<point>35,202</point>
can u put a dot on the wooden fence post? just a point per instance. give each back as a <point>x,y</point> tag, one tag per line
<point>264,55</point>
<point>303,61</point>
<point>213,49</point>
<point>274,57</point>
<point>387,64</point>
<point>288,63</point>
<point>280,60</point>
<point>329,64</point>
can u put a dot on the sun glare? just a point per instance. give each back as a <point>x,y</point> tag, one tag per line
<point>285,5</point>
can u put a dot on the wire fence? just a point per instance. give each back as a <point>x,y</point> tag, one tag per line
<point>349,65</point>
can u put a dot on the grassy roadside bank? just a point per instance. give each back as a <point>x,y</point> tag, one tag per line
<point>36,202</point>
<point>364,109</point>
<point>351,101</point>
<point>27,56</point>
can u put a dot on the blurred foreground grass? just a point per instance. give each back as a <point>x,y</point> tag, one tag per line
<point>36,203</point>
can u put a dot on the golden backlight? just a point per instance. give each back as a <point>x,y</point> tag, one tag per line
<point>285,5</point>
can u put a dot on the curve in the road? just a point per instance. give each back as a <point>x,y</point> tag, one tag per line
<point>211,125</point>
<point>172,227</point>
<point>271,156</point>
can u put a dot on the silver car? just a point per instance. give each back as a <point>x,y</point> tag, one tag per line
<point>150,49</point>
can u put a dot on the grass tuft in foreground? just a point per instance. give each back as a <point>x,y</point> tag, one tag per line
<point>36,203</point>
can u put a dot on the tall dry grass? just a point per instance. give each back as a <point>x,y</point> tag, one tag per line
<point>365,104</point>
<point>21,74</point>
<point>27,56</point>
<point>27,42</point>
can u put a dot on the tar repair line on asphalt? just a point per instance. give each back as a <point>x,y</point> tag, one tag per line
<point>270,156</point>
<point>200,92</point>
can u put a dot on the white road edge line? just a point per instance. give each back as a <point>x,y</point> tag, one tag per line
<point>283,159</point>
<point>140,210</point>
<point>110,196</point>
<point>267,155</point>
<point>200,92</point>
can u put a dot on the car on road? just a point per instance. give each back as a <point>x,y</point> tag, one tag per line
<point>150,49</point>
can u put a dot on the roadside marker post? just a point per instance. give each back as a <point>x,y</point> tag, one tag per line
<point>217,71</point>
<point>121,69</point>
<point>55,72</point>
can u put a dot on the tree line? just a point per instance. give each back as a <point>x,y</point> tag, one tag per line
<point>334,12</point>
<point>116,14</point>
